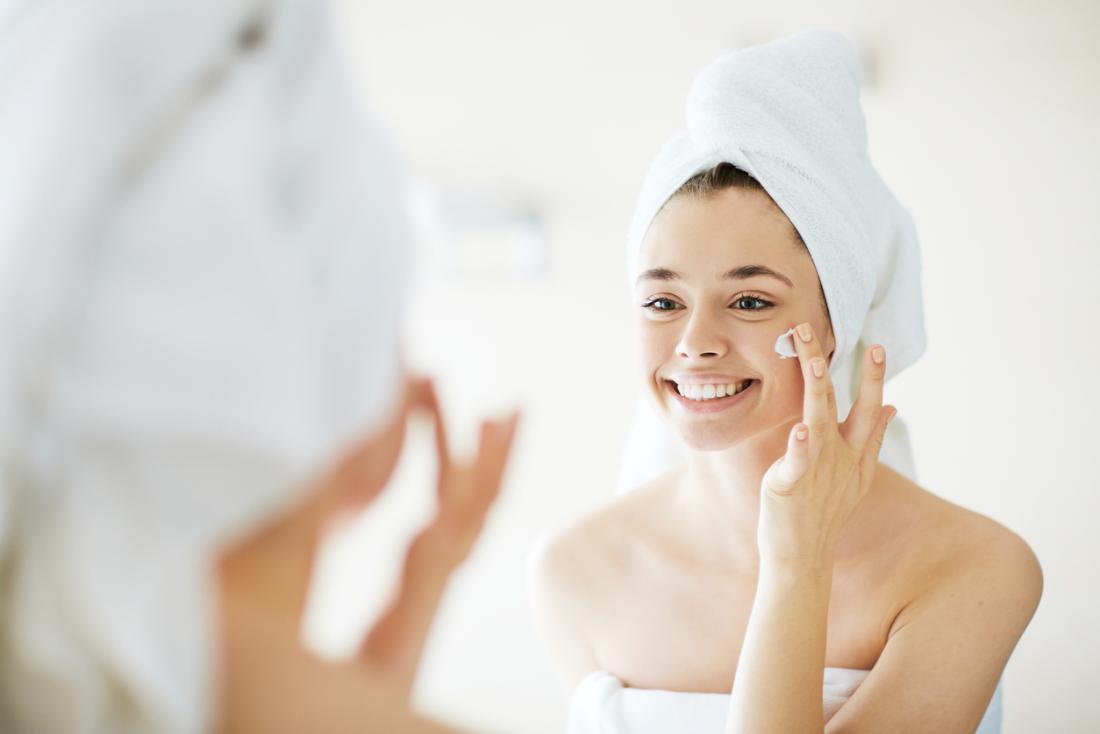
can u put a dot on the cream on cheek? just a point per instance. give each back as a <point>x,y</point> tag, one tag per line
<point>756,356</point>
<point>784,345</point>
<point>787,383</point>
<point>780,379</point>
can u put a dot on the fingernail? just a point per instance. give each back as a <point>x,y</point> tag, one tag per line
<point>878,354</point>
<point>818,366</point>
<point>804,332</point>
<point>800,434</point>
<point>891,417</point>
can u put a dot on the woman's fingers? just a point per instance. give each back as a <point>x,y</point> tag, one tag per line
<point>468,489</point>
<point>493,449</point>
<point>782,476</point>
<point>428,399</point>
<point>819,401</point>
<point>869,458</point>
<point>479,480</point>
<point>863,417</point>
<point>361,473</point>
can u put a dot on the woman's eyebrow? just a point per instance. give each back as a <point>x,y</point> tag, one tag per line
<point>657,274</point>
<point>741,273</point>
<point>748,271</point>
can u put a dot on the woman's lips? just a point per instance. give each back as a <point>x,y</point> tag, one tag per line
<point>712,405</point>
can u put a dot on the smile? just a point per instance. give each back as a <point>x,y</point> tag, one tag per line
<point>710,397</point>
<point>711,392</point>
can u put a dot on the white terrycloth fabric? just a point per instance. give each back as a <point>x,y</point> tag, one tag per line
<point>788,113</point>
<point>203,254</point>
<point>602,705</point>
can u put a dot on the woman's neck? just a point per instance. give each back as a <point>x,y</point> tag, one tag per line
<point>718,495</point>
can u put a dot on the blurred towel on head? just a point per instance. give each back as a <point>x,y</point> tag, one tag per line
<point>787,112</point>
<point>203,255</point>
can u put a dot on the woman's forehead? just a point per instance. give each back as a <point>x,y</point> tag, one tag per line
<point>710,235</point>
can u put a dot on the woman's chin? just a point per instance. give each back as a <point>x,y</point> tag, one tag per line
<point>712,437</point>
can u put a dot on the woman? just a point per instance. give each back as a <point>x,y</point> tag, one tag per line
<point>204,260</point>
<point>781,579</point>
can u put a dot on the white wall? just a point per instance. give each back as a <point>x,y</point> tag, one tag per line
<point>983,120</point>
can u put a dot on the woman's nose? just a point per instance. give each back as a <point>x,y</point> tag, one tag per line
<point>702,338</point>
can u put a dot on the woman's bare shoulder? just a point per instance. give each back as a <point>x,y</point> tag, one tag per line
<point>962,532</point>
<point>574,571</point>
<point>603,540</point>
<point>955,542</point>
<point>970,587</point>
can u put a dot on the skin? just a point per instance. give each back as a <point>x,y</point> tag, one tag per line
<point>268,681</point>
<point>787,555</point>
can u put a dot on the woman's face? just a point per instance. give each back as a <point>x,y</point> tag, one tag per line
<point>720,277</point>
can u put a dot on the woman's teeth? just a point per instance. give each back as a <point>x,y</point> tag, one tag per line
<point>710,392</point>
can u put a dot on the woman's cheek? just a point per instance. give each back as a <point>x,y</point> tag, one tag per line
<point>653,348</point>
<point>786,386</point>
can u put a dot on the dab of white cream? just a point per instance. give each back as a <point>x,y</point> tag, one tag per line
<point>784,345</point>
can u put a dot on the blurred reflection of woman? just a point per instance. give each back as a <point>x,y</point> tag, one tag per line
<point>781,579</point>
<point>204,257</point>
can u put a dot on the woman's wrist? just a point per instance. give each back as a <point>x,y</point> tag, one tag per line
<point>430,558</point>
<point>806,570</point>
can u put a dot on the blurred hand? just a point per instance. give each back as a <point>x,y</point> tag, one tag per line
<point>465,490</point>
<point>269,682</point>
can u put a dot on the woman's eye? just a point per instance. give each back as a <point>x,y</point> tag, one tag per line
<point>755,304</point>
<point>661,304</point>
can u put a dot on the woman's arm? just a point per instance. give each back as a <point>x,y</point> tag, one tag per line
<point>805,499</point>
<point>778,683</point>
<point>269,683</point>
<point>948,648</point>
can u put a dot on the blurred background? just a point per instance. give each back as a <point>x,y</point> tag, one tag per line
<point>529,126</point>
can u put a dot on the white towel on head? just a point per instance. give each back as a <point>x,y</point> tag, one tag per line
<point>787,112</point>
<point>204,255</point>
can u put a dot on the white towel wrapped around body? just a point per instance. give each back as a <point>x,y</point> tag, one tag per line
<point>601,704</point>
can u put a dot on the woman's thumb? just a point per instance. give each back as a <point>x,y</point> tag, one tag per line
<point>789,468</point>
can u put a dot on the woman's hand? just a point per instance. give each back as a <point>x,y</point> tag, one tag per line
<point>465,490</point>
<point>268,680</point>
<point>810,492</point>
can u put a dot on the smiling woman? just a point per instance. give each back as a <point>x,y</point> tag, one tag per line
<point>783,578</point>
<point>692,321</point>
